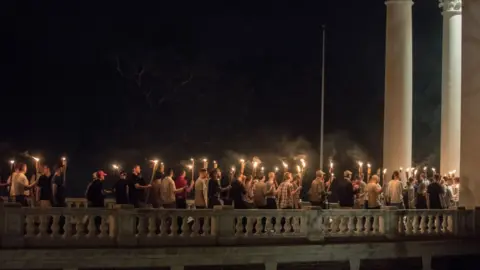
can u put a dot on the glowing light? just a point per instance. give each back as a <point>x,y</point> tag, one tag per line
<point>360,164</point>
<point>276,169</point>
<point>115,166</point>
<point>205,160</point>
<point>433,169</point>
<point>299,169</point>
<point>263,169</point>
<point>384,171</point>
<point>214,162</point>
<point>401,169</point>
<point>190,167</point>
<point>12,161</point>
<point>285,165</point>
<point>36,159</point>
<point>233,168</point>
<point>64,158</point>
<point>191,159</point>
<point>425,168</point>
<point>242,161</point>
<point>331,164</point>
<point>255,164</point>
<point>304,164</point>
<point>369,165</point>
<point>155,161</point>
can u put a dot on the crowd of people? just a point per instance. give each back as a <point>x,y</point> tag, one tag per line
<point>264,191</point>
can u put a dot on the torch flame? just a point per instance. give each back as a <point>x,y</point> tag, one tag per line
<point>304,164</point>
<point>12,161</point>
<point>263,169</point>
<point>255,164</point>
<point>331,164</point>
<point>36,159</point>
<point>242,160</point>
<point>384,171</point>
<point>64,158</point>
<point>285,164</point>
<point>115,166</point>
<point>233,168</point>
<point>276,169</point>
<point>299,169</point>
<point>360,163</point>
<point>369,165</point>
<point>190,166</point>
<point>425,168</point>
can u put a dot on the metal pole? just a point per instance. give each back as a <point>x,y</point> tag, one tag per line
<point>323,98</point>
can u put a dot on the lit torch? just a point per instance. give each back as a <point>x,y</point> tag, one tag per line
<point>215,164</point>
<point>205,163</point>
<point>255,164</point>
<point>242,166</point>
<point>360,167</point>
<point>285,166</point>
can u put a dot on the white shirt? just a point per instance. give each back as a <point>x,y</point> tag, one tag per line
<point>394,191</point>
<point>201,190</point>
<point>18,184</point>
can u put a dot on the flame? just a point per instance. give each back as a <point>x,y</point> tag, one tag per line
<point>360,163</point>
<point>233,168</point>
<point>255,164</point>
<point>276,169</point>
<point>384,171</point>
<point>285,164</point>
<point>298,168</point>
<point>263,169</point>
<point>115,166</point>
<point>242,161</point>
<point>190,166</point>
<point>205,160</point>
<point>36,159</point>
<point>12,161</point>
<point>64,158</point>
<point>331,164</point>
<point>369,165</point>
<point>304,164</point>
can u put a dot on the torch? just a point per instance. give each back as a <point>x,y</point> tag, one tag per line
<point>383,176</point>
<point>360,167</point>
<point>369,170</point>
<point>242,166</point>
<point>116,168</point>
<point>192,167</point>
<point>304,165</point>
<point>285,166</point>
<point>255,164</point>
<point>215,164</point>
<point>205,163</point>
<point>64,165</point>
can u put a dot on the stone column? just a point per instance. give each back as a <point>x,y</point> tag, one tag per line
<point>451,85</point>
<point>397,130</point>
<point>470,124</point>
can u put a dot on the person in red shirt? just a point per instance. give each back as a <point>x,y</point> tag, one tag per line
<point>181,197</point>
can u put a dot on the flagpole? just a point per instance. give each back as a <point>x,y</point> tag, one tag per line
<point>323,98</point>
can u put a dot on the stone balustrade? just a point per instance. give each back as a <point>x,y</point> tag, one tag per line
<point>124,226</point>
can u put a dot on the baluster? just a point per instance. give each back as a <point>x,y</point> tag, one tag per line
<point>423,223</point>
<point>44,223</point>
<point>343,225</point>
<point>443,227</point>
<point>415,223</point>
<point>163,225</point>
<point>92,228</point>
<point>141,225</point>
<point>334,222</point>
<point>195,227</point>
<point>358,225</point>
<point>67,227</point>
<point>206,226</point>
<point>55,226</point>
<point>239,226</point>
<point>409,224</point>
<point>268,225</point>
<point>372,224</point>
<point>351,223</point>
<point>103,226</point>
<point>80,226</point>
<point>368,224</point>
<point>296,224</point>
<point>174,226</point>
<point>152,225</point>
<point>430,223</point>
<point>437,220</point>
<point>278,225</point>
<point>258,226</point>
<point>450,223</point>
<point>30,230</point>
<point>185,227</point>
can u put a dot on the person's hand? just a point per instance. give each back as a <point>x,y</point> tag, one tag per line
<point>149,186</point>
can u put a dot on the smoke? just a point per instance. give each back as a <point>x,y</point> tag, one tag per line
<point>340,148</point>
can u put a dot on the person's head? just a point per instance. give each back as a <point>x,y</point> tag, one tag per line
<point>58,170</point>
<point>271,175</point>
<point>319,174</point>
<point>46,170</point>
<point>347,174</point>
<point>21,167</point>
<point>411,180</point>
<point>374,179</point>
<point>137,169</point>
<point>297,178</point>
<point>202,173</point>
<point>101,175</point>
<point>170,172</point>
<point>217,173</point>
<point>287,176</point>
<point>396,175</point>
<point>358,179</point>
<point>456,180</point>
<point>123,175</point>
<point>422,176</point>
<point>436,177</point>
<point>183,173</point>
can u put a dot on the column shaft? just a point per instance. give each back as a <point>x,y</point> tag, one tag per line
<point>470,124</point>
<point>397,135</point>
<point>451,87</point>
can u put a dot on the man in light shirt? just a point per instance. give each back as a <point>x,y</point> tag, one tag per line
<point>259,193</point>
<point>168,191</point>
<point>19,184</point>
<point>394,191</point>
<point>373,190</point>
<point>201,190</point>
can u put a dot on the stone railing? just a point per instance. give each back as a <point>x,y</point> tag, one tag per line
<point>124,226</point>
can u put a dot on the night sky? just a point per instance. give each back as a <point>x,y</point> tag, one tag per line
<point>127,81</point>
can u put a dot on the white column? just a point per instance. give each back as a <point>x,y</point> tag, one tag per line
<point>451,85</point>
<point>397,130</point>
<point>470,126</point>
